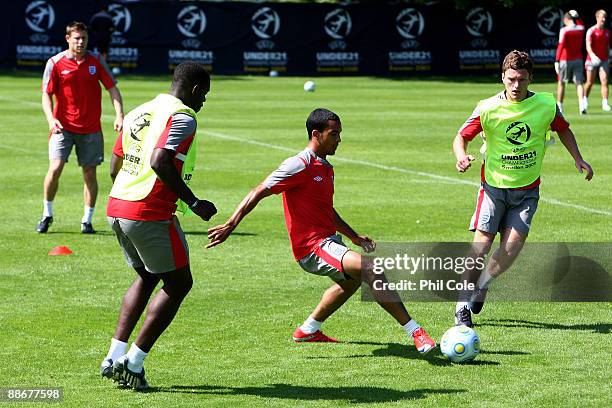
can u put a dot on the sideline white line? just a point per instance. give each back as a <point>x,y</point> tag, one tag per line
<point>18,149</point>
<point>446,179</point>
<point>39,105</point>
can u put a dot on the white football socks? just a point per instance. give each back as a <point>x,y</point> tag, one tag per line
<point>310,325</point>
<point>116,350</point>
<point>411,327</point>
<point>585,102</point>
<point>47,208</point>
<point>461,305</point>
<point>87,214</point>
<point>135,358</point>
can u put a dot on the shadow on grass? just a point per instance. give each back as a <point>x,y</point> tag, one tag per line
<point>306,393</point>
<point>239,234</point>
<point>404,351</point>
<point>98,232</point>
<point>604,328</point>
<point>505,352</point>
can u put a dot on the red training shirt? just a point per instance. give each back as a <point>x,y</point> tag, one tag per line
<point>570,43</point>
<point>76,86</point>
<point>600,42</point>
<point>307,184</point>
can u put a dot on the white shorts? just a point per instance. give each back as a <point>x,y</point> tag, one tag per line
<point>326,259</point>
<point>591,66</point>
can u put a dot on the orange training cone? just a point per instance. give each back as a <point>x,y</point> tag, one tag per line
<point>60,250</point>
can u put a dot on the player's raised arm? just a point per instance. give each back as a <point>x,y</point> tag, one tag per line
<point>569,141</point>
<point>366,243</point>
<point>220,233</point>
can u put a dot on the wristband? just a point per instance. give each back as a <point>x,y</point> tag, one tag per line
<point>194,204</point>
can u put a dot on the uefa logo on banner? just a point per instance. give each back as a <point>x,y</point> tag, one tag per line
<point>479,22</point>
<point>550,20</point>
<point>265,23</point>
<point>410,23</point>
<point>39,16</point>
<point>338,24</point>
<point>122,19</point>
<point>191,21</point>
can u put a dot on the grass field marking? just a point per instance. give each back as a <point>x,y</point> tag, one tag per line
<point>453,180</point>
<point>19,149</point>
<point>39,105</point>
<point>361,162</point>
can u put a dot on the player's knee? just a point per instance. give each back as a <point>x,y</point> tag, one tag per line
<point>481,249</point>
<point>55,170</point>
<point>89,174</point>
<point>178,283</point>
<point>148,279</point>
<point>188,284</point>
<point>353,273</point>
<point>512,249</point>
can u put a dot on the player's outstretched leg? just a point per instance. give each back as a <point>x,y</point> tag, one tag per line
<point>161,312</point>
<point>360,268</point>
<point>511,244</point>
<point>480,248</point>
<point>134,302</point>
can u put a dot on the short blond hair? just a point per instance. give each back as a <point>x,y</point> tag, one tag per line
<point>76,26</point>
<point>601,11</point>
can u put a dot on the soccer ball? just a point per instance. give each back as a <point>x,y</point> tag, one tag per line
<point>116,71</point>
<point>460,344</point>
<point>309,86</point>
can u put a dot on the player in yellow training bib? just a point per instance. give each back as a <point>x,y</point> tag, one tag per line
<point>516,124</point>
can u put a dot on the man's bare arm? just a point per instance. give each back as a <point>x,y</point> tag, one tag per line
<point>569,141</point>
<point>366,243</point>
<point>220,233</point>
<point>464,160</point>
<point>118,105</point>
<point>47,106</point>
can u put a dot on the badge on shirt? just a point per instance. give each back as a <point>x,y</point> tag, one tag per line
<point>92,69</point>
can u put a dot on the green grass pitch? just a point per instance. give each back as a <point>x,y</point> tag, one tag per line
<point>230,343</point>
